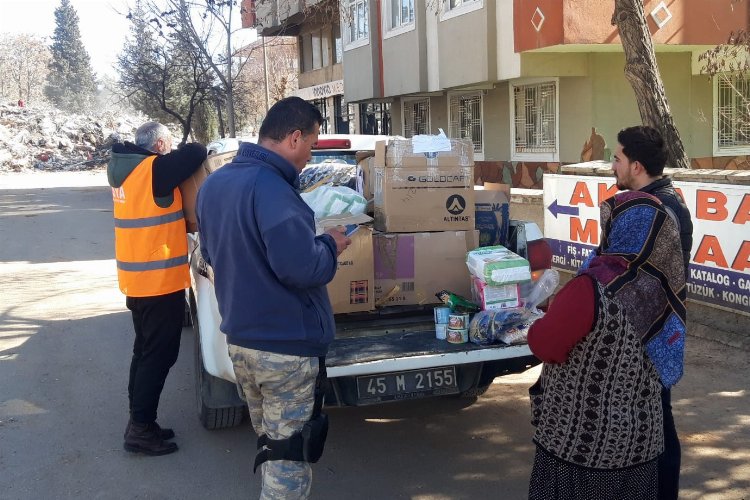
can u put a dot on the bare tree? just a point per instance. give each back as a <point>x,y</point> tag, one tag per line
<point>165,80</point>
<point>642,72</point>
<point>23,64</point>
<point>280,69</point>
<point>208,26</point>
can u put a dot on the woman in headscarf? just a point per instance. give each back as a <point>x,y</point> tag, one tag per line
<point>612,337</point>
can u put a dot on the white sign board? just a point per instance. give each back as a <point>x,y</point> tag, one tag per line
<point>321,91</point>
<point>720,257</point>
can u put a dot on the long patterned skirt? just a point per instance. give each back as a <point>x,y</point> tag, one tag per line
<point>555,479</point>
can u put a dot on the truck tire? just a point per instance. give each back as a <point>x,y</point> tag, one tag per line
<point>217,401</point>
<point>187,319</point>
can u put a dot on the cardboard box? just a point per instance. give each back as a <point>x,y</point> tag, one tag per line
<point>366,166</point>
<point>498,266</point>
<point>189,187</point>
<point>492,213</point>
<point>353,287</point>
<point>423,191</point>
<point>410,268</point>
<point>495,297</point>
<point>214,162</point>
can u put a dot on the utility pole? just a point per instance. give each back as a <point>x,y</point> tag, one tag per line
<point>265,69</point>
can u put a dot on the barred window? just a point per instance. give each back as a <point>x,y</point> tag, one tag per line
<point>466,118</point>
<point>375,118</point>
<point>416,117</point>
<point>535,118</point>
<point>732,112</point>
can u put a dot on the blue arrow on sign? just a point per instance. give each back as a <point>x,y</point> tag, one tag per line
<point>562,209</point>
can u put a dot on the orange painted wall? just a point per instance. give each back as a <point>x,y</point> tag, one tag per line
<point>694,22</point>
<point>551,32</point>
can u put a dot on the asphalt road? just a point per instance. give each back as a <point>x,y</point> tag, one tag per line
<point>65,338</point>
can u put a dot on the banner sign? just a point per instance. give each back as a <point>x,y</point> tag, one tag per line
<point>720,257</point>
<point>321,91</point>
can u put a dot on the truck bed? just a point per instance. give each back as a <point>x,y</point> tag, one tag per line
<point>402,339</point>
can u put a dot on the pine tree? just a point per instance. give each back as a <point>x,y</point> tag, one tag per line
<point>71,84</point>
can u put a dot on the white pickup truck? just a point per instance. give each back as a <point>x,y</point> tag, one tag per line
<point>389,354</point>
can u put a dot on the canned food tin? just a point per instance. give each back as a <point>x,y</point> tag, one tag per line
<point>457,336</point>
<point>441,315</point>
<point>440,331</point>
<point>458,321</point>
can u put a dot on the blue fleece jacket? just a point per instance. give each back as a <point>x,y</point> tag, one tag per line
<point>270,270</point>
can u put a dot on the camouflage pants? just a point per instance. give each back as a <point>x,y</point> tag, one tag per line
<point>279,390</point>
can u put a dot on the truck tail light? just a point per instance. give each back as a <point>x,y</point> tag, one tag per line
<point>333,144</point>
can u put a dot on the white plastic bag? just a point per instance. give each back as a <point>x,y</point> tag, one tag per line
<point>334,200</point>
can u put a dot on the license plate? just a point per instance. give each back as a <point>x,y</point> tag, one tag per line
<point>407,385</point>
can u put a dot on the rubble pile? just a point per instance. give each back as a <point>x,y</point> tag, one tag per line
<point>44,138</point>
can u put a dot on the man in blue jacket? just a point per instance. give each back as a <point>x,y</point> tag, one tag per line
<point>270,273</point>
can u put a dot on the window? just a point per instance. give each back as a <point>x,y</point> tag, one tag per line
<point>345,123</point>
<point>358,29</point>
<point>454,4</point>
<point>322,105</point>
<point>732,114</point>
<point>338,48</point>
<point>416,117</point>
<point>466,119</point>
<point>375,118</point>
<point>453,8</point>
<point>534,121</point>
<point>402,13</point>
<point>314,50</point>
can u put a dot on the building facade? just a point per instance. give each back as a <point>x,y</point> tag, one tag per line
<point>533,83</point>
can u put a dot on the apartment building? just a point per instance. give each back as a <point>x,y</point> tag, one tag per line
<point>533,83</point>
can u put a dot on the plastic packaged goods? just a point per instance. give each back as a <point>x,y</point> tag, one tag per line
<point>507,326</point>
<point>327,201</point>
<point>457,303</point>
<point>402,152</point>
<point>543,289</point>
<point>336,173</point>
<point>510,326</point>
<point>498,266</point>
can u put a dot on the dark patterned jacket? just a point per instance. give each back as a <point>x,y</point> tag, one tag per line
<point>601,408</point>
<point>676,208</point>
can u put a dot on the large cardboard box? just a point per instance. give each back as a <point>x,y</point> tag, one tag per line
<point>423,191</point>
<point>353,287</point>
<point>491,210</point>
<point>189,187</point>
<point>410,268</point>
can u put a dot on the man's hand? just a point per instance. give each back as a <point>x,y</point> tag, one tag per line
<point>342,241</point>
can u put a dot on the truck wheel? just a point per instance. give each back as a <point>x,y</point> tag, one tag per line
<point>187,320</point>
<point>218,403</point>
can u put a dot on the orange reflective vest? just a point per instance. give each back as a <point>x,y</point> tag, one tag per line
<point>150,241</point>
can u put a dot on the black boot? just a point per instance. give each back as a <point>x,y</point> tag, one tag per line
<point>165,433</point>
<point>145,438</point>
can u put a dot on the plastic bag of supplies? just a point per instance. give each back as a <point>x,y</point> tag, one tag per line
<point>334,200</point>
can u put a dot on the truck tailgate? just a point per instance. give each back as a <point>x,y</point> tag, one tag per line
<point>407,351</point>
